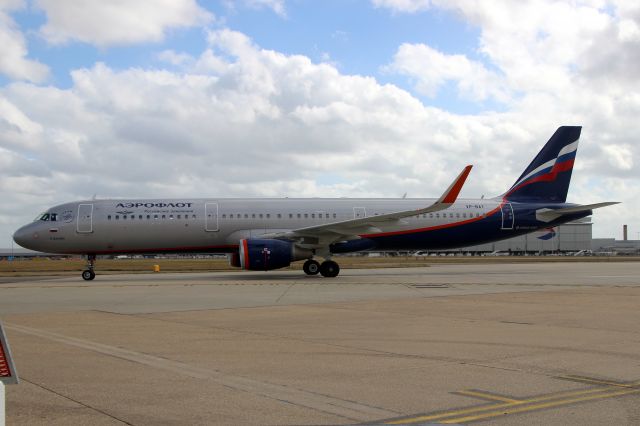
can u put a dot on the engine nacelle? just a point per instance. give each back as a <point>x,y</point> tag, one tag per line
<point>267,254</point>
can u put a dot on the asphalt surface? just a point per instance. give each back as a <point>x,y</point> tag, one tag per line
<point>552,344</point>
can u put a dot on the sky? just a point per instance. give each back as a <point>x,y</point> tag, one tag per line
<point>302,98</point>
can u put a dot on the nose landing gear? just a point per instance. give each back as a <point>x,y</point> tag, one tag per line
<point>88,274</point>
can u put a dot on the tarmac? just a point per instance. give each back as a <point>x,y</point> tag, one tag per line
<point>499,344</point>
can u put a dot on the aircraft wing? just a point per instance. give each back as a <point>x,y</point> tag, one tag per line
<point>351,228</point>
<point>547,215</point>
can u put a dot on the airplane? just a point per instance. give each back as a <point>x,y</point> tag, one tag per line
<point>268,233</point>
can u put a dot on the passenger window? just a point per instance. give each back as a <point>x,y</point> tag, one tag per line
<point>438,215</point>
<point>109,217</point>
<point>457,215</point>
<point>290,215</point>
<point>124,216</point>
<point>268,215</point>
<point>155,216</point>
<point>140,217</point>
<point>246,216</point>
<point>430,215</point>
<point>253,215</point>
<point>299,216</point>
<point>231,216</point>
<point>170,216</point>
<point>117,217</point>
<point>224,216</point>
<point>180,216</point>
<point>334,215</point>
<point>313,215</point>
<point>164,216</point>
<point>279,216</point>
<point>148,217</point>
<point>260,215</point>
<point>193,216</point>
<point>306,215</point>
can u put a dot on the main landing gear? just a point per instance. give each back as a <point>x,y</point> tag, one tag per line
<point>88,273</point>
<point>328,268</point>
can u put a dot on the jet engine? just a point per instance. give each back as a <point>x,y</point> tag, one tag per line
<point>267,254</point>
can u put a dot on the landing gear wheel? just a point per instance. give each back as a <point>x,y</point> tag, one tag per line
<point>311,267</point>
<point>329,269</point>
<point>88,275</point>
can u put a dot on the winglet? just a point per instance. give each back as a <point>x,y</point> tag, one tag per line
<point>451,194</point>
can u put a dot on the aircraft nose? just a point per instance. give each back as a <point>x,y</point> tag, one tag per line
<point>23,236</point>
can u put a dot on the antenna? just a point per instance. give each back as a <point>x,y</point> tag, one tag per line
<point>94,197</point>
<point>404,196</point>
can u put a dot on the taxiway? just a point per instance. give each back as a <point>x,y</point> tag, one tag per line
<point>537,343</point>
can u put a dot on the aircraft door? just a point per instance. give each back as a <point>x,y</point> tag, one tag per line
<point>211,217</point>
<point>359,212</point>
<point>508,217</point>
<point>85,219</point>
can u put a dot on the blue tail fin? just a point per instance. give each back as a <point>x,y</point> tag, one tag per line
<point>547,177</point>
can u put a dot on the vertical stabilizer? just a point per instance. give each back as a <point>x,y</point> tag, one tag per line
<point>547,177</point>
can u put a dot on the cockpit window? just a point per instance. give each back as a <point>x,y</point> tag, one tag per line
<point>48,217</point>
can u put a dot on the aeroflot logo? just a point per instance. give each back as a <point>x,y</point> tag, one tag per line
<point>151,205</point>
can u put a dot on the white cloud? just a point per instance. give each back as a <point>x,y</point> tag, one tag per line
<point>119,22</point>
<point>277,6</point>
<point>431,69</point>
<point>406,6</point>
<point>619,156</point>
<point>13,48</point>
<point>174,58</point>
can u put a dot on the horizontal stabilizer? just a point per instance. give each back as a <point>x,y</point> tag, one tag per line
<point>547,215</point>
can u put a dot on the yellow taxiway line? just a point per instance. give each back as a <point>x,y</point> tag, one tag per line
<point>513,406</point>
